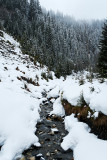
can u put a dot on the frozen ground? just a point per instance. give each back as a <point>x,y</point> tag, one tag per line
<point>20,99</point>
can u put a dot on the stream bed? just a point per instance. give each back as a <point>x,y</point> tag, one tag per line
<point>50,131</point>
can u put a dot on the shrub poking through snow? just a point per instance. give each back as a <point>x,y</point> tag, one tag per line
<point>28,80</point>
<point>49,75</point>
<point>26,88</point>
<point>81,101</point>
<point>37,78</point>
<point>17,68</point>
<point>9,42</point>
<point>81,81</point>
<point>90,77</point>
<point>44,76</point>
<point>5,68</point>
<point>19,78</point>
<point>1,33</point>
<point>101,80</point>
<point>92,89</point>
<point>61,96</point>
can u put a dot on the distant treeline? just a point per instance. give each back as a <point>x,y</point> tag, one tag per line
<point>60,42</point>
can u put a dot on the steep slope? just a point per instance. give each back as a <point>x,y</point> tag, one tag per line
<point>20,96</point>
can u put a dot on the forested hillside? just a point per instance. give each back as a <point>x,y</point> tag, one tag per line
<point>62,43</point>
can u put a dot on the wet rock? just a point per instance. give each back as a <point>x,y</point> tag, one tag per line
<point>48,154</point>
<point>56,151</point>
<point>44,135</point>
<point>47,139</point>
<point>37,145</point>
<point>54,130</point>
<point>54,126</point>
<point>52,153</point>
<point>51,133</point>
<point>39,157</point>
<point>63,134</point>
<point>42,142</point>
<point>48,124</point>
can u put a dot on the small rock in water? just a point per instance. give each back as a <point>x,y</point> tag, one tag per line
<point>51,133</point>
<point>52,153</point>
<point>54,130</point>
<point>56,151</point>
<point>42,142</point>
<point>63,134</point>
<point>49,145</point>
<point>37,144</point>
<point>48,154</point>
<point>41,132</point>
<point>39,157</point>
<point>54,126</point>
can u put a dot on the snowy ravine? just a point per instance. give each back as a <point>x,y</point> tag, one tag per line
<point>20,95</point>
<point>21,88</point>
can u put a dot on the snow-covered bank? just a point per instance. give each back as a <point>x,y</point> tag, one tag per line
<point>18,117</point>
<point>96,99</point>
<point>95,93</point>
<point>86,146</point>
<point>58,108</point>
<point>19,100</point>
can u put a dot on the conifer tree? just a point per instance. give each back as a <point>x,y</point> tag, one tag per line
<point>102,61</point>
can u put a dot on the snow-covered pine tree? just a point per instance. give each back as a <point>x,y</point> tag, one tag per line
<point>102,61</point>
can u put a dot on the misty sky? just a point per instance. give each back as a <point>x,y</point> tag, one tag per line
<point>80,9</point>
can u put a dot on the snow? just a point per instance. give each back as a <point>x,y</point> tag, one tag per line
<point>18,117</point>
<point>58,108</point>
<point>95,115</point>
<point>54,92</point>
<point>84,144</point>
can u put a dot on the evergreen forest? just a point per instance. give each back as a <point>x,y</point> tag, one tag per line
<point>60,42</point>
